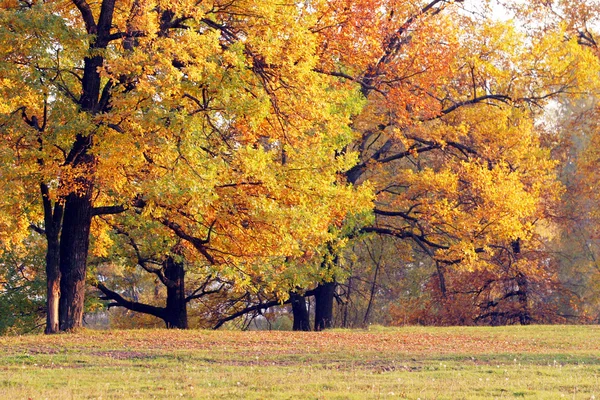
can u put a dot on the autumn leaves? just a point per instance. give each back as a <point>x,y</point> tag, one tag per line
<point>247,140</point>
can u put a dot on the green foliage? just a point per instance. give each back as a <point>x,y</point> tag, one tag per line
<point>22,290</point>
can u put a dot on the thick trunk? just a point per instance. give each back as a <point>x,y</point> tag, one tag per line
<point>324,294</point>
<point>74,235</point>
<point>300,312</point>
<point>176,310</point>
<point>74,244</point>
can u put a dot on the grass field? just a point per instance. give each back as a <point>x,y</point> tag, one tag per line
<point>536,362</point>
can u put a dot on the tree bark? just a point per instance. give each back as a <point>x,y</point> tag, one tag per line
<point>371,296</point>
<point>441,279</point>
<point>324,294</point>
<point>300,312</point>
<point>78,211</point>
<point>52,225</point>
<point>74,244</point>
<point>52,285</point>
<point>345,322</point>
<point>524,312</point>
<point>52,304</point>
<point>176,309</point>
<point>174,314</point>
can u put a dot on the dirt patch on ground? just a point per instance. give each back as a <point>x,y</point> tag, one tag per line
<point>123,355</point>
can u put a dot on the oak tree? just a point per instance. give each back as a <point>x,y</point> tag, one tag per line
<point>207,118</point>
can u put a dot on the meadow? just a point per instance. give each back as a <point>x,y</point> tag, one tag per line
<point>536,362</point>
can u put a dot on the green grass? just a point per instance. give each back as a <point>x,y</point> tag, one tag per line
<point>533,362</point>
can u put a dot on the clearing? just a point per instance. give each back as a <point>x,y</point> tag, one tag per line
<point>537,362</point>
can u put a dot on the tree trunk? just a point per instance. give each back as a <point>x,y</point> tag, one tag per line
<point>174,314</point>
<point>441,279</point>
<point>52,225</point>
<point>53,286</point>
<point>75,235</point>
<point>300,312</point>
<point>371,296</point>
<point>345,322</point>
<point>75,232</point>
<point>324,294</point>
<point>74,244</point>
<point>524,312</point>
<point>176,310</point>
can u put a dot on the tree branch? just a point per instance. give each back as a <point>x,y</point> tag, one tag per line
<point>394,45</point>
<point>455,106</point>
<point>199,244</point>
<point>88,17</point>
<point>37,229</point>
<point>247,310</point>
<point>123,35</point>
<point>143,262</point>
<point>107,210</point>
<point>403,234</point>
<point>131,305</point>
<point>385,213</point>
<point>105,21</point>
<point>365,86</point>
<point>203,293</point>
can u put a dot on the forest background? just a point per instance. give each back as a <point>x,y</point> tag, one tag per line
<point>298,165</point>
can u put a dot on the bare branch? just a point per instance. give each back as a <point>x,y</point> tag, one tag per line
<point>107,210</point>
<point>38,229</point>
<point>120,301</point>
